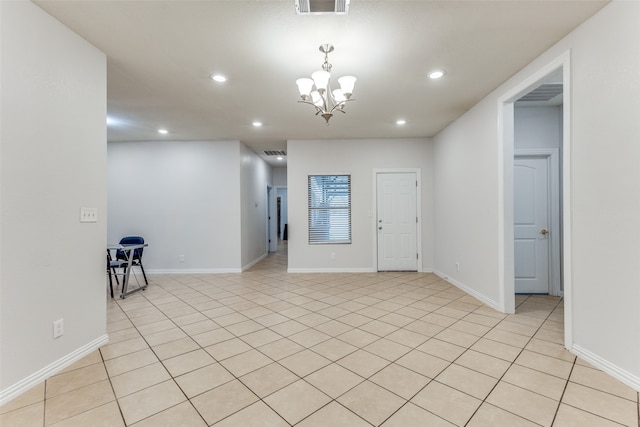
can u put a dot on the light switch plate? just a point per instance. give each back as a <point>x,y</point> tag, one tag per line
<point>88,214</point>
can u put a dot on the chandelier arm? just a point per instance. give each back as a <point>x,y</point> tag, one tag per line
<point>318,109</point>
<point>341,104</point>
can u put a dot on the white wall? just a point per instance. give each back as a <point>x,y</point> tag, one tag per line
<point>538,127</point>
<point>183,197</point>
<point>280,177</point>
<point>466,202</point>
<point>53,161</point>
<point>605,189</point>
<point>255,176</point>
<point>358,158</point>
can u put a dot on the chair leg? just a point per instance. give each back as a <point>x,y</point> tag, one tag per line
<point>143,273</point>
<point>110,281</point>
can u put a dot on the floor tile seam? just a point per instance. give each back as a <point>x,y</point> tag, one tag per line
<point>592,413</point>
<point>501,379</point>
<point>494,328</point>
<point>112,390</point>
<point>328,403</point>
<point>407,402</point>
<point>484,402</point>
<point>229,415</point>
<point>564,390</point>
<point>45,424</point>
<point>164,365</point>
<point>263,400</point>
<point>409,369</point>
<point>332,361</point>
<point>252,403</point>
<point>635,401</point>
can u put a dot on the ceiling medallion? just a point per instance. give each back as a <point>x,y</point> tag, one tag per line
<point>317,91</point>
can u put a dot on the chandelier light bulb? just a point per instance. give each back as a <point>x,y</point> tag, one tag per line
<point>305,86</point>
<point>346,84</point>
<point>321,79</point>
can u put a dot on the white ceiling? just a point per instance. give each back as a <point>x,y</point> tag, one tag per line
<point>161,53</point>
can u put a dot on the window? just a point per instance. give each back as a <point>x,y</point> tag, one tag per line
<point>329,209</point>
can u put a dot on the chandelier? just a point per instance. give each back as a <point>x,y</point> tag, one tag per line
<point>317,91</point>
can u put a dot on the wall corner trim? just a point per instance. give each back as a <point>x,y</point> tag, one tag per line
<point>488,301</point>
<point>195,271</point>
<point>254,262</point>
<point>50,370</point>
<point>618,373</point>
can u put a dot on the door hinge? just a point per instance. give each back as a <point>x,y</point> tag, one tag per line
<point>416,220</point>
<point>416,183</point>
<point>417,256</point>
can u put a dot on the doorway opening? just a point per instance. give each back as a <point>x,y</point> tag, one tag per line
<point>524,128</point>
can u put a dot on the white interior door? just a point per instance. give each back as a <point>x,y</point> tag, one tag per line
<point>396,221</point>
<point>531,225</point>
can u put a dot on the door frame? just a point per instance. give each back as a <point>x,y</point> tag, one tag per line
<point>374,210</point>
<point>553,202</point>
<point>505,131</point>
<point>272,240</point>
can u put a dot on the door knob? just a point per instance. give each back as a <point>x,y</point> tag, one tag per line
<point>544,231</point>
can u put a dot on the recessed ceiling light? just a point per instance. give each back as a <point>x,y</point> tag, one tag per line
<point>257,124</point>
<point>279,157</point>
<point>218,78</point>
<point>436,74</point>
<point>163,131</point>
<point>401,122</point>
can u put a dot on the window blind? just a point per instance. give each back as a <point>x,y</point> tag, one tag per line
<point>329,209</point>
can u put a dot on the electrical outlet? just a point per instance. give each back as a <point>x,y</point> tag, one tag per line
<point>333,255</point>
<point>181,258</point>
<point>458,266</point>
<point>58,328</point>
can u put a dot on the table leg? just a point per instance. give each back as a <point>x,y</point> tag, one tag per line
<point>125,279</point>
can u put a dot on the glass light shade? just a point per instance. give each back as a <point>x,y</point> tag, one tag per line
<point>304,86</point>
<point>338,96</point>
<point>321,79</point>
<point>316,98</point>
<point>346,84</point>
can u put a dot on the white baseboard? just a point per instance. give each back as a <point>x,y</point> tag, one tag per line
<point>254,262</point>
<point>195,271</point>
<point>488,301</point>
<point>55,367</point>
<point>331,270</point>
<point>616,372</point>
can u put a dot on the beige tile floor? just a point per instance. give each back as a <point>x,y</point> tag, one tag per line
<point>267,348</point>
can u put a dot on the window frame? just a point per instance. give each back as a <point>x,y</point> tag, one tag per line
<point>329,209</point>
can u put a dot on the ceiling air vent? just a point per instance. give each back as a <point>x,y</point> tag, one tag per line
<point>322,7</point>
<point>275,153</point>
<point>543,92</point>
